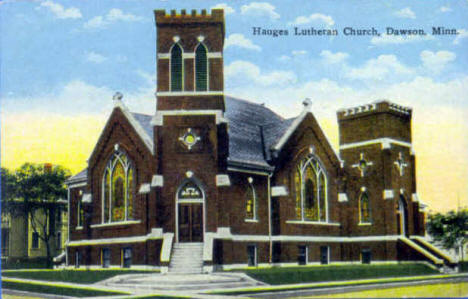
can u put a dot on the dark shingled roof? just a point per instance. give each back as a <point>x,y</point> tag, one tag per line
<point>253,130</point>
<point>247,120</point>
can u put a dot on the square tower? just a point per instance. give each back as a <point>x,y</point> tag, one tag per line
<point>190,60</point>
<point>375,145</point>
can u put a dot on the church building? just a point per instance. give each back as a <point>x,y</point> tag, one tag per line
<point>215,182</point>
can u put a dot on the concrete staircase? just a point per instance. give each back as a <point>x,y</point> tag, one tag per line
<point>186,258</point>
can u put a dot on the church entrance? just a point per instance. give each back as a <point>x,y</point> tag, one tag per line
<point>190,212</point>
<point>191,222</point>
<point>402,217</point>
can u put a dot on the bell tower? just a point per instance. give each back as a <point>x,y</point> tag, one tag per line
<point>376,147</point>
<point>190,60</point>
<point>190,132</point>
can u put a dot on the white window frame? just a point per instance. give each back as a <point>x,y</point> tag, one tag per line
<point>318,171</point>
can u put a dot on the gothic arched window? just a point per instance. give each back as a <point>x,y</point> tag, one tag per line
<point>250,203</point>
<point>311,191</point>
<point>176,68</point>
<point>364,208</point>
<point>118,189</point>
<point>201,68</point>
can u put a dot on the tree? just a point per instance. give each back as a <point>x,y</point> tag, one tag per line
<point>35,192</point>
<point>450,230</point>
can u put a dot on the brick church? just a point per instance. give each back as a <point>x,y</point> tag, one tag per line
<point>214,182</point>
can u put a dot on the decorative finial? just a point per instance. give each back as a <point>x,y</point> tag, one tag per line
<point>117,96</point>
<point>307,102</point>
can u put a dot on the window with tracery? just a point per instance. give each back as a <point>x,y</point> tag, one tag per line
<point>176,68</point>
<point>118,189</point>
<point>364,208</point>
<point>311,191</point>
<point>201,68</point>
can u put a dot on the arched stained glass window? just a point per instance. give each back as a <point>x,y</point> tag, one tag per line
<point>364,208</point>
<point>311,191</point>
<point>250,203</point>
<point>201,68</point>
<point>176,68</point>
<point>118,189</point>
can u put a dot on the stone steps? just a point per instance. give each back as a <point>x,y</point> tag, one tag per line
<point>186,258</point>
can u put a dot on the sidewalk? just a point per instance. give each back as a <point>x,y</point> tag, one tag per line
<point>202,286</point>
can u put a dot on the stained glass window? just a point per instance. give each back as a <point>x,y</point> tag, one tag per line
<point>251,204</point>
<point>364,208</point>
<point>118,189</point>
<point>311,191</point>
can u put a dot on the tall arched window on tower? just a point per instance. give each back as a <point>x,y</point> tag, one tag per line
<point>364,208</point>
<point>176,68</point>
<point>311,191</point>
<point>201,68</point>
<point>118,189</point>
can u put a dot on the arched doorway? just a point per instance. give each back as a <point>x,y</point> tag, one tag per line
<point>402,217</point>
<point>190,212</point>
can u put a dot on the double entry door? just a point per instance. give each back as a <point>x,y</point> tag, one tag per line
<point>190,222</point>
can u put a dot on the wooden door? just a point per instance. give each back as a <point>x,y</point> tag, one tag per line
<point>191,222</point>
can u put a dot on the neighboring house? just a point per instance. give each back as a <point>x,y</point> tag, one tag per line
<point>20,242</point>
<point>213,181</point>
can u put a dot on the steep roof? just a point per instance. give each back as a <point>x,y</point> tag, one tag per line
<point>253,129</point>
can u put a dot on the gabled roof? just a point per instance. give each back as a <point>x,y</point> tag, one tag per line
<point>252,130</point>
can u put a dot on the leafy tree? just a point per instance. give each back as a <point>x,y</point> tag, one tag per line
<point>35,192</point>
<point>449,230</point>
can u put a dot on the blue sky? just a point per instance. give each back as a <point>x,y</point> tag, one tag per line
<point>67,58</point>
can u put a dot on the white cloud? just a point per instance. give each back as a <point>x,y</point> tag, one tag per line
<point>314,18</point>
<point>436,61</point>
<point>385,39</point>
<point>260,9</point>
<point>95,57</point>
<point>462,34</point>
<point>445,9</point>
<point>244,71</point>
<point>284,58</point>
<point>333,58</point>
<point>60,12</point>
<point>114,15</point>
<point>96,22</point>
<point>227,9</point>
<point>406,13</point>
<point>298,52</point>
<point>379,68</point>
<point>239,40</point>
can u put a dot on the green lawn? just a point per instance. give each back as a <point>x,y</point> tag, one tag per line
<point>56,290</point>
<point>75,276</point>
<point>288,275</point>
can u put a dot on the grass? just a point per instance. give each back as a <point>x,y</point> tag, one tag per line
<point>33,263</point>
<point>339,284</point>
<point>444,290</point>
<point>75,276</point>
<point>289,275</point>
<point>56,290</point>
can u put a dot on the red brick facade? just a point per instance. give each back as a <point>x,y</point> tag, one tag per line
<point>245,200</point>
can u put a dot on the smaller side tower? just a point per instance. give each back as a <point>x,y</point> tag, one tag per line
<point>375,145</point>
